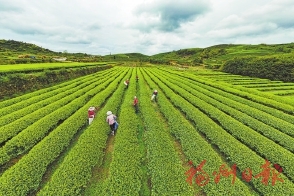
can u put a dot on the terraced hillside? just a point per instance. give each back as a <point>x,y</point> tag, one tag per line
<point>284,90</point>
<point>205,135</point>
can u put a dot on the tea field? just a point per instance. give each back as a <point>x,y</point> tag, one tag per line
<point>208,133</point>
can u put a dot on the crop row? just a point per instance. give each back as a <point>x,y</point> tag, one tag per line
<point>19,103</point>
<point>242,97</point>
<point>248,116</point>
<point>269,85</point>
<point>125,169</point>
<point>284,93</point>
<point>26,175</point>
<point>238,79</point>
<point>233,94</point>
<point>28,137</point>
<point>235,151</point>
<point>270,99</point>
<point>251,82</point>
<point>245,134</point>
<point>38,110</point>
<point>88,151</point>
<point>276,88</point>
<point>164,165</point>
<point>45,66</point>
<point>196,148</point>
<point>254,95</point>
<point>232,78</point>
<point>209,73</point>
<point>16,100</point>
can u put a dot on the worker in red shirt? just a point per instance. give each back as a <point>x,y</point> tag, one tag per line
<point>91,114</point>
<point>136,101</point>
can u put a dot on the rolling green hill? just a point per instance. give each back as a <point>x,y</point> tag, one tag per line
<point>16,52</point>
<point>12,52</point>
<point>125,57</point>
<point>21,47</point>
<point>215,56</point>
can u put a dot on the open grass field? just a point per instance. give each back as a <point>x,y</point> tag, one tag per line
<point>208,133</point>
<point>43,66</point>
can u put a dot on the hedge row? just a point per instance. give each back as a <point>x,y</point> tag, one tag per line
<point>280,88</point>
<point>285,93</point>
<point>235,151</point>
<point>73,174</point>
<point>232,93</point>
<point>44,107</point>
<point>16,83</point>
<point>12,129</point>
<point>241,83</point>
<point>223,104</point>
<point>252,94</point>
<point>125,174</point>
<point>28,99</point>
<point>245,134</point>
<point>17,103</point>
<point>197,149</point>
<point>164,164</point>
<point>28,137</point>
<point>26,175</point>
<point>269,85</point>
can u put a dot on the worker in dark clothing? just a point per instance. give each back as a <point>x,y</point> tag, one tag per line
<point>111,120</point>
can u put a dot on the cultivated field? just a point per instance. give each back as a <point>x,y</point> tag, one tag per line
<point>209,133</point>
<point>43,66</point>
<point>280,88</point>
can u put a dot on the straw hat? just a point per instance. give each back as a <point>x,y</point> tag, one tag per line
<point>108,113</point>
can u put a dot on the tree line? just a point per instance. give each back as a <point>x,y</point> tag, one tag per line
<point>273,67</point>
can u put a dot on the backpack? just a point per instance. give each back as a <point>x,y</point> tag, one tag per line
<point>115,125</point>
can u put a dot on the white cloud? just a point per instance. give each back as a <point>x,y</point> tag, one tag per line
<point>145,26</point>
<point>168,15</point>
<point>231,21</point>
<point>243,30</point>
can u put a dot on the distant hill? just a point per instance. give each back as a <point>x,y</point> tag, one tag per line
<point>215,56</point>
<point>15,52</point>
<point>19,47</point>
<point>212,57</point>
<point>125,56</point>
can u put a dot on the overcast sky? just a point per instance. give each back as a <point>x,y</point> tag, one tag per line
<point>145,26</point>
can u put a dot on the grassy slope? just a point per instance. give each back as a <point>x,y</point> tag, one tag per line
<point>213,55</point>
<point>11,50</point>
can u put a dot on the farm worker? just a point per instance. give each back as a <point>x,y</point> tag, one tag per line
<point>137,78</point>
<point>127,83</point>
<point>136,101</point>
<point>154,95</point>
<point>111,120</point>
<point>91,114</point>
